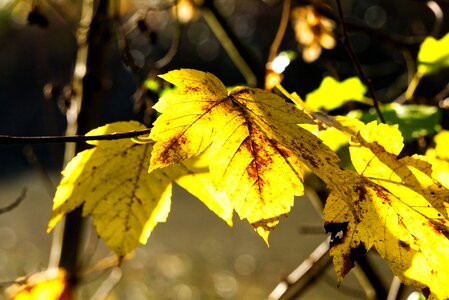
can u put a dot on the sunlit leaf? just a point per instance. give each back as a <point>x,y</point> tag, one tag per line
<point>255,143</point>
<point>193,176</point>
<point>49,285</point>
<point>439,157</point>
<point>433,55</point>
<point>441,149</point>
<point>400,209</point>
<point>112,182</point>
<point>332,94</point>
<point>413,120</point>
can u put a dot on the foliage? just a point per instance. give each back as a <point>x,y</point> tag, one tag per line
<point>250,147</point>
<point>433,55</point>
<point>332,94</point>
<point>246,150</point>
<point>49,285</point>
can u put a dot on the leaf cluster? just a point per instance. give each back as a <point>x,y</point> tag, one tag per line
<point>247,150</point>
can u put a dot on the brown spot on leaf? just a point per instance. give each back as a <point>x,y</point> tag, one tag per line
<point>267,224</point>
<point>337,231</point>
<point>242,92</point>
<point>310,159</point>
<point>192,89</point>
<point>361,193</point>
<point>426,292</point>
<point>172,152</point>
<point>439,228</point>
<point>404,245</point>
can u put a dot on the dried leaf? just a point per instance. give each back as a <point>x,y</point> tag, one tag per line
<point>400,209</point>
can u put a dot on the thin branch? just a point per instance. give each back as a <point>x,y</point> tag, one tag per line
<point>281,31</point>
<point>9,139</point>
<point>305,273</point>
<point>395,288</point>
<point>439,16</point>
<point>240,55</point>
<point>16,202</point>
<point>34,161</point>
<point>356,62</point>
<point>108,284</point>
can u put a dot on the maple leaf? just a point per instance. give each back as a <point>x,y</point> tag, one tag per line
<point>193,176</point>
<point>400,209</point>
<point>113,183</point>
<point>255,143</point>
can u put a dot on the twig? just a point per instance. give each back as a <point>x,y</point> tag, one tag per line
<point>439,15</point>
<point>108,284</point>
<point>356,62</point>
<point>16,202</point>
<point>174,47</point>
<point>281,31</point>
<point>9,139</point>
<point>306,272</point>
<point>33,160</point>
<point>240,55</point>
<point>395,289</point>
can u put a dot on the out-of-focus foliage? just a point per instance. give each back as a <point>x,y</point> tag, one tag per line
<point>433,55</point>
<point>249,146</point>
<point>414,120</point>
<point>332,94</point>
<point>48,285</point>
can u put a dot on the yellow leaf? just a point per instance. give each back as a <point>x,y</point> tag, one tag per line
<point>400,209</point>
<point>415,246</point>
<point>332,94</point>
<point>186,126</point>
<point>439,157</point>
<point>193,176</point>
<point>113,183</point>
<point>47,285</point>
<point>441,149</point>
<point>255,143</point>
<point>433,55</point>
<point>331,137</point>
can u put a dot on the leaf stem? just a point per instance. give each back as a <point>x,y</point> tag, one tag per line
<point>356,62</point>
<point>9,139</point>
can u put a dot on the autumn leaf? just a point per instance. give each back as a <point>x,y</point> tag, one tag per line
<point>400,208</point>
<point>433,55</point>
<point>50,284</point>
<point>112,183</point>
<point>255,143</point>
<point>193,176</point>
<point>332,94</point>
<point>439,157</point>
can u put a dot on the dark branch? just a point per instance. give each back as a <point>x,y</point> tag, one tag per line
<point>15,203</point>
<point>356,62</point>
<point>8,139</point>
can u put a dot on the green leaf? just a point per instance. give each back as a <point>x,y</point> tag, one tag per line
<point>332,94</point>
<point>113,183</point>
<point>433,55</point>
<point>413,120</point>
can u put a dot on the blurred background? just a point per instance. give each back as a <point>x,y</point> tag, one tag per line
<point>194,255</point>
